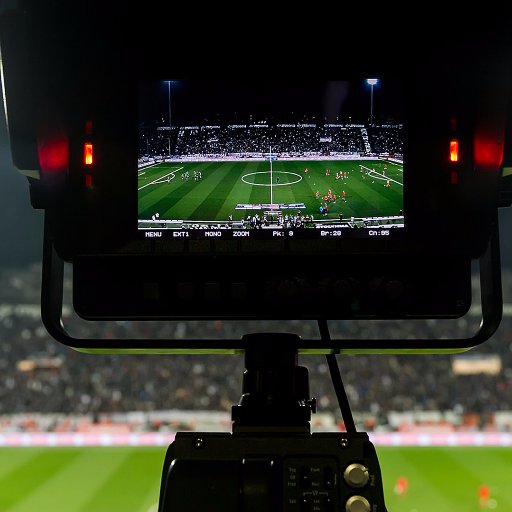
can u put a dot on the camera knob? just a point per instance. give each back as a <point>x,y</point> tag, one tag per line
<point>357,504</point>
<point>288,289</point>
<point>356,475</point>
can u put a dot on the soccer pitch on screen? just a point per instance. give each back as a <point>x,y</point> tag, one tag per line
<point>218,191</point>
<point>127,479</point>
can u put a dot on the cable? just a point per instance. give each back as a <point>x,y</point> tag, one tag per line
<point>337,381</point>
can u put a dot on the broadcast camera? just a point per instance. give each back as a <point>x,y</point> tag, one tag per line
<point>182,189</point>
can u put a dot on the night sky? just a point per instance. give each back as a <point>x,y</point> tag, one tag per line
<point>223,101</point>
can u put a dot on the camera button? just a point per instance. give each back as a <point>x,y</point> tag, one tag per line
<point>238,291</point>
<point>212,291</point>
<point>185,290</point>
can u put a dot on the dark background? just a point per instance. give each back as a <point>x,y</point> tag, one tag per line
<point>21,227</point>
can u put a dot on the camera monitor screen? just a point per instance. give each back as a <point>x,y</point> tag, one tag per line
<point>265,158</point>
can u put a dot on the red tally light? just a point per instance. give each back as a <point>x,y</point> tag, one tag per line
<point>488,153</point>
<point>88,155</point>
<point>53,150</point>
<point>454,150</point>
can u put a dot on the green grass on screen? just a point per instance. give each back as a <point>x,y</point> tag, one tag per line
<point>163,189</point>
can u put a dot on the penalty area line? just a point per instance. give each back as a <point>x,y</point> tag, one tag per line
<point>160,178</point>
<point>381,176</point>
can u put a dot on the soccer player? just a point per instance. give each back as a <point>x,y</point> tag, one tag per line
<point>484,494</point>
<point>388,184</point>
<point>401,486</point>
<point>343,195</point>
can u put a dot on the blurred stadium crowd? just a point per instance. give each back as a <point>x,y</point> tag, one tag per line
<point>38,375</point>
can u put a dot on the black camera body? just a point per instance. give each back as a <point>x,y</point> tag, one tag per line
<point>294,472</point>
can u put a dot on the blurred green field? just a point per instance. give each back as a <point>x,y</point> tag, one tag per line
<point>125,479</point>
<point>446,479</point>
<point>92,479</point>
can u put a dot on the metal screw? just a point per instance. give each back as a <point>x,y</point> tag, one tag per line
<point>344,442</point>
<point>198,442</point>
